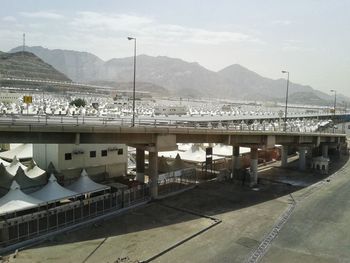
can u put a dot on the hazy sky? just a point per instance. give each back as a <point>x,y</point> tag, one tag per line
<point>309,38</point>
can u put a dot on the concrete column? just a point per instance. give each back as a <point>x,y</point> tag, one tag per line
<point>325,150</point>
<point>302,160</point>
<point>235,159</point>
<point>253,166</point>
<point>140,165</point>
<point>153,173</point>
<point>284,156</point>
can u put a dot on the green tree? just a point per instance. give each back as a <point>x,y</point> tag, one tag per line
<point>78,102</point>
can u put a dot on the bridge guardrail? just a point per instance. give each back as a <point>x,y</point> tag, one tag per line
<point>248,125</point>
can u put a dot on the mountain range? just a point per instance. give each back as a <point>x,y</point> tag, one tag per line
<point>178,77</point>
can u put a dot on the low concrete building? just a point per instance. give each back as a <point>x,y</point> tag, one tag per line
<point>70,159</point>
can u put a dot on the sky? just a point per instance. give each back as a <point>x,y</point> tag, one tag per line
<point>308,38</point>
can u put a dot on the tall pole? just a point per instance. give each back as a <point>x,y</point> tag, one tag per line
<point>335,103</point>
<point>286,107</point>
<point>133,91</point>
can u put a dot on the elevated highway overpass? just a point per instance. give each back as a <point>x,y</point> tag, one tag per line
<point>156,136</point>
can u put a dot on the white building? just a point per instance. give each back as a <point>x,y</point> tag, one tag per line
<point>70,159</point>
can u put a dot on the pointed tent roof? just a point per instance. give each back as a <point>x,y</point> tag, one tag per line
<point>52,191</point>
<point>163,166</point>
<point>23,151</point>
<point>177,164</point>
<point>13,167</point>
<point>16,200</point>
<point>85,185</point>
<point>196,154</point>
<point>24,181</point>
<point>51,169</point>
<point>36,173</point>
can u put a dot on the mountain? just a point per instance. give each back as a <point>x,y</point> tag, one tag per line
<point>78,66</point>
<point>179,77</point>
<point>27,65</point>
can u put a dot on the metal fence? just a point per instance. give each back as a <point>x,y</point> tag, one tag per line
<point>175,181</point>
<point>47,219</point>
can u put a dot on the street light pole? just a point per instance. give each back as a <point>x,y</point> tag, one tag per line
<point>133,91</point>
<point>335,102</point>
<point>286,108</point>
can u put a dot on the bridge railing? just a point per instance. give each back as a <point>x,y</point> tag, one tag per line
<point>248,125</point>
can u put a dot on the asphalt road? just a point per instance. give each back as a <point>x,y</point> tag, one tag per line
<point>318,230</point>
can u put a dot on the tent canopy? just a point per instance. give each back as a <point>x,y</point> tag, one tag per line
<point>52,191</point>
<point>16,200</point>
<point>14,165</point>
<point>85,185</point>
<point>23,151</point>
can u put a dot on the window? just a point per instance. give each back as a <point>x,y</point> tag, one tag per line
<point>92,154</point>
<point>68,156</point>
<point>104,153</point>
<point>120,151</point>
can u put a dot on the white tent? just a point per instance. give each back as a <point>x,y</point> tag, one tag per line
<point>85,185</point>
<point>4,162</point>
<point>196,154</point>
<point>226,150</point>
<point>33,171</point>
<point>52,191</point>
<point>14,165</point>
<point>16,200</point>
<point>23,151</point>
<point>178,164</point>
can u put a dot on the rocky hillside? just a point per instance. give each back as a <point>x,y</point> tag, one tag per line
<point>27,65</point>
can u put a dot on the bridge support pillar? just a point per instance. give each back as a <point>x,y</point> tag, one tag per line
<point>284,156</point>
<point>302,158</point>
<point>325,150</point>
<point>253,166</point>
<point>140,165</point>
<point>153,173</point>
<point>236,164</point>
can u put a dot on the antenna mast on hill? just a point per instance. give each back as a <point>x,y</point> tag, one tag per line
<point>24,42</point>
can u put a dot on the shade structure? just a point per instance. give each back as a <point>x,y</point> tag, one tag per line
<point>53,191</point>
<point>3,162</point>
<point>16,200</point>
<point>5,179</point>
<point>85,185</point>
<point>196,154</point>
<point>34,172</point>
<point>163,166</point>
<point>177,164</point>
<point>23,151</point>
<point>14,165</point>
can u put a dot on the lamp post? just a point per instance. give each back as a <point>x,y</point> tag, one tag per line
<point>286,108</point>
<point>334,106</point>
<point>335,101</point>
<point>133,91</point>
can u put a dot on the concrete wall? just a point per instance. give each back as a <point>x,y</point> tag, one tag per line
<point>43,154</point>
<point>115,164</point>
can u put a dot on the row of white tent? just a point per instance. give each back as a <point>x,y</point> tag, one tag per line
<point>16,199</point>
